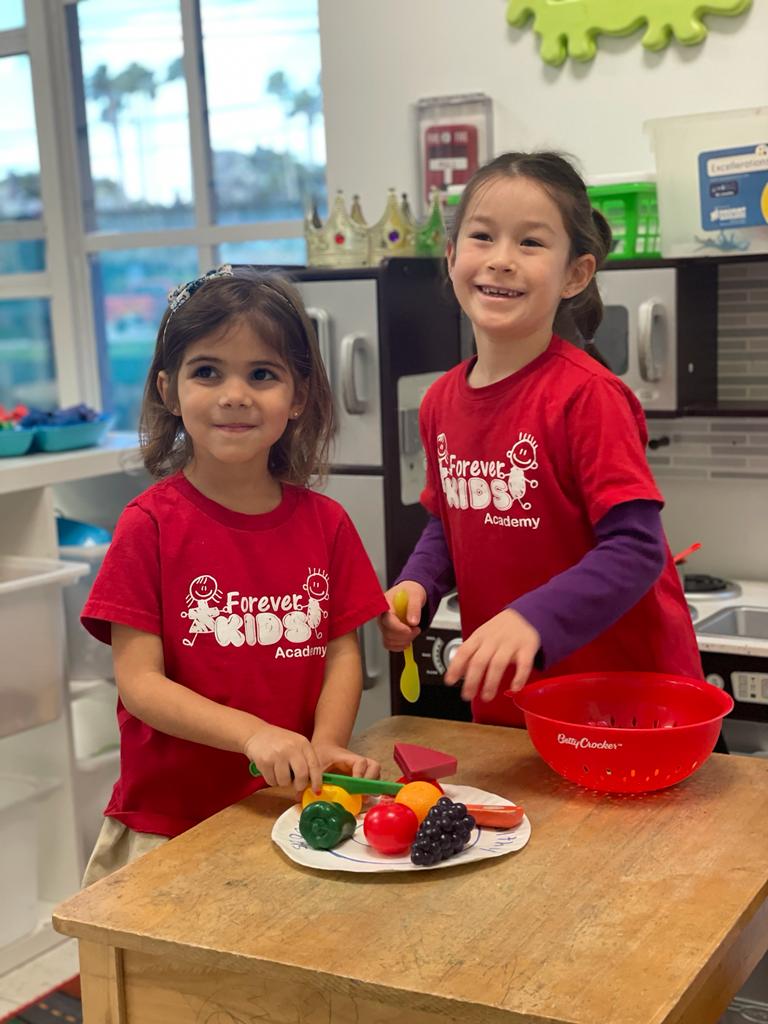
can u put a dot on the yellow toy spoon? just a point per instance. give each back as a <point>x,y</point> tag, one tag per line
<point>409,680</point>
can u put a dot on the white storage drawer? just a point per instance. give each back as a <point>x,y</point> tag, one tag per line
<point>19,799</point>
<point>87,658</point>
<point>32,640</point>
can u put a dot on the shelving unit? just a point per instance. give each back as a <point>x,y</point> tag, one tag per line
<point>28,503</point>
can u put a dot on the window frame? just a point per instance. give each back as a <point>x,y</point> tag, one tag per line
<point>70,246</point>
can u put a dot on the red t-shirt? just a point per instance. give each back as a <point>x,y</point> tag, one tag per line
<point>519,472</point>
<point>245,606</point>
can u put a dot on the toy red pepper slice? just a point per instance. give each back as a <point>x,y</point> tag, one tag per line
<point>324,825</point>
<point>496,816</point>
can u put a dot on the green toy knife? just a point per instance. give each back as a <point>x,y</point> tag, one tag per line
<point>372,787</point>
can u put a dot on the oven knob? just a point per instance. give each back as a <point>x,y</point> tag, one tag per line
<point>437,655</point>
<point>450,649</point>
<point>716,680</point>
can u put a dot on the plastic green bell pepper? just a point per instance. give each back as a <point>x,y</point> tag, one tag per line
<point>324,825</point>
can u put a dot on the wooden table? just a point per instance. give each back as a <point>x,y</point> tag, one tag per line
<point>621,910</point>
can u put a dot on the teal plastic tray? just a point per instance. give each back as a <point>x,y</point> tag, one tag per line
<point>74,435</point>
<point>15,442</point>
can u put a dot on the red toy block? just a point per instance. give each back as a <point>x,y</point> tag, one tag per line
<point>422,763</point>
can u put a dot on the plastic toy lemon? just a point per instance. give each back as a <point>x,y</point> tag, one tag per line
<point>419,796</point>
<point>352,802</point>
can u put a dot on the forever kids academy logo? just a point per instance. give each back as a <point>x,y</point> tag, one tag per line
<point>286,621</point>
<point>496,484</point>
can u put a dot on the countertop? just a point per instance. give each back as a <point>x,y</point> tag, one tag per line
<point>754,593</point>
<point>648,909</point>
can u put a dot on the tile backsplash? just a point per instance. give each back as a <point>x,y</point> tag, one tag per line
<point>742,331</point>
<point>703,448</point>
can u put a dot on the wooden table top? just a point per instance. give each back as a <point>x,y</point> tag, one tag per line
<point>620,910</point>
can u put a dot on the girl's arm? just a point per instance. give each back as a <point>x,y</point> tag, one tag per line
<point>149,695</point>
<point>430,564</point>
<point>572,608</point>
<point>426,577</point>
<point>337,709</point>
<point>579,604</point>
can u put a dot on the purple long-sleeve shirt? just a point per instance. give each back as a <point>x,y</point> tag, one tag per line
<point>574,607</point>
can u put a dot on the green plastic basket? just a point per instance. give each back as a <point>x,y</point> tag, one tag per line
<point>632,211</point>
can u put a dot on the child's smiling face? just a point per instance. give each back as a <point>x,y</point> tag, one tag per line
<point>512,264</point>
<point>235,395</point>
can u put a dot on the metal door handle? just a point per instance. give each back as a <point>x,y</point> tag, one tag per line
<point>351,345</point>
<point>369,651</point>
<point>322,323</point>
<point>651,363</point>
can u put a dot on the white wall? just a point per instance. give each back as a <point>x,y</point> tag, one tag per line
<point>380,57</point>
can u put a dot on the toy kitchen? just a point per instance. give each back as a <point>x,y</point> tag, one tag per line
<point>730,618</point>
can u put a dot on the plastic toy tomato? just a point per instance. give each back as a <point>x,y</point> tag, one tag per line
<point>352,802</point>
<point>390,827</point>
<point>419,796</point>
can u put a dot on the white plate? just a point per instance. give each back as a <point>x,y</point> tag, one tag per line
<point>354,854</point>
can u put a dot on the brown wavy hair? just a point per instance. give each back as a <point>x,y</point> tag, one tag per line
<point>587,229</point>
<point>274,310</point>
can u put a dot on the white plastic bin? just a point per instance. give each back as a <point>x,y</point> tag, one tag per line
<point>18,855</point>
<point>32,640</point>
<point>94,719</point>
<point>87,658</point>
<point>712,182</point>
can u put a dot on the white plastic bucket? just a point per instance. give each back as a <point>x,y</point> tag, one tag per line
<point>712,182</point>
<point>18,855</point>
<point>32,640</point>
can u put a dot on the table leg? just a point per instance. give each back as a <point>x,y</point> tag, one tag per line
<point>101,981</point>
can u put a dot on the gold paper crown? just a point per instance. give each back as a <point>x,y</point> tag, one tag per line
<point>345,240</point>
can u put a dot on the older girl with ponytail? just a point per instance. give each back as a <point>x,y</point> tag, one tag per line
<point>542,509</point>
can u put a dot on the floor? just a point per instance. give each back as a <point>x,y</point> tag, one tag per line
<point>59,964</point>
<point>40,975</point>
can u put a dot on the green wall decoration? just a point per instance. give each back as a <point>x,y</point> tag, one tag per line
<point>568,27</point>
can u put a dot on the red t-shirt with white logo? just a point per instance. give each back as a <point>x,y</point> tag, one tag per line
<point>519,472</point>
<point>245,606</point>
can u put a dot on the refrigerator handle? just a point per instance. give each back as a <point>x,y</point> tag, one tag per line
<point>651,351</point>
<point>351,345</point>
<point>322,322</point>
<point>370,651</point>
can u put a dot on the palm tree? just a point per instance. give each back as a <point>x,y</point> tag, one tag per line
<point>113,91</point>
<point>308,102</point>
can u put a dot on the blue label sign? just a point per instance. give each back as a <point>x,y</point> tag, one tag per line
<point>733,187</point>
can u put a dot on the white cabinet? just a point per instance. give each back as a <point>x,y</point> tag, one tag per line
<point>31,490</point>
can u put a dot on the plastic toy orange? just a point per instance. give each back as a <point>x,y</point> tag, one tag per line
<point>352,802</point>
<point>419,796</point>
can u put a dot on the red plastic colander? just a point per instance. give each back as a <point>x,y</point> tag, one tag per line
<point>623,732</point>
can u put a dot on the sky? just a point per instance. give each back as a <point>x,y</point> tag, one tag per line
<point>244,42</point>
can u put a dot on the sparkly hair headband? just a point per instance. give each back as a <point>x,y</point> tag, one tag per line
<point>178,296</point>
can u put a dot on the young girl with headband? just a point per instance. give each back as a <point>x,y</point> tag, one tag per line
<point>231,592</point>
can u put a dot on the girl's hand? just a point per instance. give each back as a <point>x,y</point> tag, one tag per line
<point>484,656</point>
<point>335,758</point>
<point>396,635</point>
<point>284,758</point>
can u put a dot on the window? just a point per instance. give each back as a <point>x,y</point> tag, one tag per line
<point>20,202</point>
<point>136,112</point>
<point>203,142</point>
<point>132,286</point>
<point>26,355</point>
<point>267,131</point>
<point>11,14</point>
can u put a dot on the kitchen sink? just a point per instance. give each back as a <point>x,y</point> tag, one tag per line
<point>739,621</point>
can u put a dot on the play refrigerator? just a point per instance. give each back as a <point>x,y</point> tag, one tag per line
<point>385,334</point>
